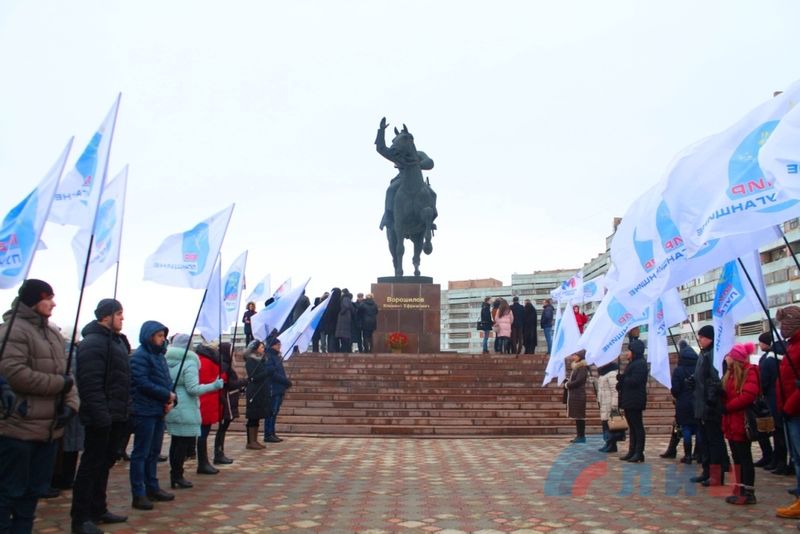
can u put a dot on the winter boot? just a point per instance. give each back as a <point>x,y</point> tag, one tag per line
<point>203,466</point>
<point>606,436</point>
<point>252,439</point>
<point>687,452</point>
<point>672,448</point>
<point>219,447</point>
<point>742,495</point>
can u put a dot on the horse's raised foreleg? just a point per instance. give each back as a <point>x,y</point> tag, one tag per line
<point>399,250</point>
<point>417,251</point>
<point>426,214</point>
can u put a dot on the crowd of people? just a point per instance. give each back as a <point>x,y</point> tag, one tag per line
<point>515,326</point>
<point>56,403</point>
<point>710,407</point>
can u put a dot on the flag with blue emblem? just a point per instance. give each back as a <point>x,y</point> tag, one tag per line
<point>565,343</point>
<point>260,291</point>
<point>274,315</point>
<point>22,226</point>
<point>666,312</point>
<point>232,285</point>
<point>107,232</point>
<point>209,321</point>
<point>300,333</point>
<point>779,158</point>
<point>187,259</point>
<point>78,194</point>
<point>734,300</point>
<point>603,336</point>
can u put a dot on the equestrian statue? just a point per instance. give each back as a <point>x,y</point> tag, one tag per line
<point>410,206</point>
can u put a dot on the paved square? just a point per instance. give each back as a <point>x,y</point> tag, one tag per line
<point>444,486</point>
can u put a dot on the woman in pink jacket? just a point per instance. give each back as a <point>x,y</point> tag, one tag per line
<point>502,326</point>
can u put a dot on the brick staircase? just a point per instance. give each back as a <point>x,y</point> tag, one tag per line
<point>436,395</point>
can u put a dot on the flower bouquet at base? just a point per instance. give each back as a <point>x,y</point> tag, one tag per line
<point>397,341</point>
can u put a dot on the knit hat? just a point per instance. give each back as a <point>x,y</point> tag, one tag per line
<point>107,307</point>
<point>789,317</point>
<point>636,347</point>
<point>181,340</point>
<point>32,291</point>
<point>741,352</point>
<point>765,338</point>
<point>707,332</point>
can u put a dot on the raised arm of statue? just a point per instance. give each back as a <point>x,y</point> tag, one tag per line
<point>380,141</point>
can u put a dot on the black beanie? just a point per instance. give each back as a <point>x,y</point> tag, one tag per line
<point>107,307</point>
<point>765,338</point>
<point>636,347</point>
<point>32,291</point>
<point>707,332</point>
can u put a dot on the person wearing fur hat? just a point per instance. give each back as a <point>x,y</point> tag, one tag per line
<point>740,389</point>
<point>708,411</point>
<point>768,365</point>
<point>210,403</point>
<point>35,367</point>
<point>278,383</point>
<point>152,399</point>
<point>632,387</point>
<point>684,397</point>
<point>103,377</point>
<point>183,422</point>
<point>788,395</point>
<point>257,392</point>
<point>576,395</point>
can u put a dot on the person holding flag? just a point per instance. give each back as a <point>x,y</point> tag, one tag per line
<point>576,395</point>
<point>257,391</point>
<point>34,364</point>
<point>278,384</point>
<point>632,387</point>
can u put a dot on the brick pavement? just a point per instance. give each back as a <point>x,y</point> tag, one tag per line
<point>446,486</point>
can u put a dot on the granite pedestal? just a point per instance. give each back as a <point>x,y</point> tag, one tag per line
<point>410,306</point>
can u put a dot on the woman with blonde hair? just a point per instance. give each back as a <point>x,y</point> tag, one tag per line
<point>740,387</point>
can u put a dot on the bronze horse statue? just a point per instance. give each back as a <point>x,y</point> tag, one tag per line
<point>410,202</point>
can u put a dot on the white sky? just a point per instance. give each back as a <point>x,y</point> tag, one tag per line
<point>544,119</point>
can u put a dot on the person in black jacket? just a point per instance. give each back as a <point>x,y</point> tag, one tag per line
<point>632,387</point>
<point>529,333</point>
<point>246,318</point>
<point>768,370</point>
<point>517,325</point>
<point>369,321</point>
<point>329,319</point>
<point>103,376</point>
<point>546,322</point>
<point>230,401</point>
<point>257,392</point>
<point>684,397</point>
<point>486,322</point>
<point>278,383</point>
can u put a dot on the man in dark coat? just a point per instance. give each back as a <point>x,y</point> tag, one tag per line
<point>768,370</point>
<point>684,397</point>
<point>278,383</point>
<point>104,379</point>
<point>369,320</point>
<point>517,325</point>
<point>632,387</point>
<point>529,331</point>
<point>486,322</point>
<point>546,322</point>
<point>329,319</point>
<point>708,411</point>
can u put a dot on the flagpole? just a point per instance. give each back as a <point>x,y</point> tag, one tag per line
<point>121,228</point>
<point>794,256</point>
<point>191,336</point>
<point>219,312</point>
<point>116,280</point>
<point>672,338</point>
<point>764,307</point>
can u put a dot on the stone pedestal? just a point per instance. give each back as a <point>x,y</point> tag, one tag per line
<point>411,307</point>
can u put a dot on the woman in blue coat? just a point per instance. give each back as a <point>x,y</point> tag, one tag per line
<point>152,398</point>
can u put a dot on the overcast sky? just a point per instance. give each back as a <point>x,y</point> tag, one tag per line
<point>544,120</point>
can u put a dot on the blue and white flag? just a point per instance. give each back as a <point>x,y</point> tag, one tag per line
<point>667,311</point>
<point>594,289</point>
<point>603,336</point>
<point>22,226</point>
<point>735,299</point>
<point>232,284</point>
<point>779,158</point>
<point>107,235</point>
<point>274,315</point>
<point>565,343</point>
<point>300,333</point>
<point>79,192</point>
<point>570,290</point>
<point>209,322</point>
<point>187,259</point>
<point>716,188</point>
<point>260,292</point>
<point>283,288</point>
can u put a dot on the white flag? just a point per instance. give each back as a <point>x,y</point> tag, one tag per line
<point>734,299</point>
<point>779,158</point>
<point>555,367</point>
<point>209,322</point>
<point>716,187</point>
<point>273,316</point>
<point>566,336</point>
<point>300,333</point>
<point>283,288</point>
<point>108,232</point>
<point>78,193</point>
<point>232,284</point>
<point>603,336</point>
<point>187,259</point>
<point>667,311</point>
<point>22,226</point>
<point>594,289</point>
<point>570,290</point>
<point>260,292</point>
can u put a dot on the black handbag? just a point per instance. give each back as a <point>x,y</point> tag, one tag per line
<point>758,420</point>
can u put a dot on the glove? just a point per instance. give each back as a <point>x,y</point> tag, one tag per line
<point>63,418</point>
<point>68,383</point>
<point>7,400</point>
<point>218,383</point>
